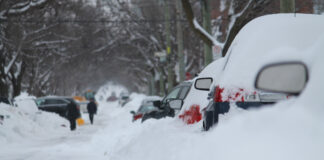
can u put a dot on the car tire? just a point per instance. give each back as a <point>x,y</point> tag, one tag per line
<point>204,126</point>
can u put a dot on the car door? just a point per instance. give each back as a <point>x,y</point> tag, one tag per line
<point>174,94</point>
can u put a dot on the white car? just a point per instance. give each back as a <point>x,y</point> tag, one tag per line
<point>258,43</point>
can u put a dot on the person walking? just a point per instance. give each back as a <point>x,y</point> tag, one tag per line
<point>92,109</point>
<point>72,115</point>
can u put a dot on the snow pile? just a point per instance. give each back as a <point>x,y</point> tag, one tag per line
<point>106,90</point>
<point>25,121</point>
<point>290,129</point>
<point>26,103</point>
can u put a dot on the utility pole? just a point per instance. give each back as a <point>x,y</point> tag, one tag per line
<point>168,46</point>
<point>206,11</point>
<point>152,86</point>
<point>180,41</point>
<point>162,92</point>
<point>287,6</point>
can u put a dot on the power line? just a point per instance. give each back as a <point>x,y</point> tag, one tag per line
<point>93,21</point>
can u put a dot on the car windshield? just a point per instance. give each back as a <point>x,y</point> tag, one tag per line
<point>146,108</point>
<point>124,97</point>
<point>40,101</point>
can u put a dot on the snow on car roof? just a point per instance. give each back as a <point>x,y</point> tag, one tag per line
<point>268,39</point>
<point>150,99</point>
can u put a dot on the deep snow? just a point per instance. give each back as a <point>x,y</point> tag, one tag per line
<point>285,131</point>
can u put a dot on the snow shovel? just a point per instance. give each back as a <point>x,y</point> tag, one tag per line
<point>80,121</point>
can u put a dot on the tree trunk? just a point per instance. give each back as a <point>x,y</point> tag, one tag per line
<point>287,6</point>
<point>180,42</point>
<point>168,47</point>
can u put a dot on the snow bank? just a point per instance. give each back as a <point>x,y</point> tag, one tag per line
<point>26,103</point>
<point>106,90</point>
<point>25,121</point>
<point>290,129</point>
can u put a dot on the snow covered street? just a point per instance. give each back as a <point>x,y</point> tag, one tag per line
<point>161,80</point>
<point>115,136</point>
<point>87,142</point>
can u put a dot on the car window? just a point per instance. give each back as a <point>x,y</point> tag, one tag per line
<point>144,109</point>
<point>40,102</point>
<point>55,101</point>
<point>125,97</point>
<point>49,101</point>
<point>173,94</point>
<point>61,101</point>
<point>67,100</point>
<point>184,92</point>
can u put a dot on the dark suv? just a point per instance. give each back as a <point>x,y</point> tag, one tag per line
<point>55,104</point>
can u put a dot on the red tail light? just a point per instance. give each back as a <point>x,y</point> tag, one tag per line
<point>218,94</point>
<point>138,116</point>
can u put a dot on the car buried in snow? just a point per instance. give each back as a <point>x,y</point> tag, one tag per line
<point>146,107</point>
<point>257,44</point>
<point>171,103</point>
<point>123,98</point>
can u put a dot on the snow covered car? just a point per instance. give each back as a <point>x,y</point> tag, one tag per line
<point>171,103</point>
<point>254,46</point>
<point>112,97</point>
<point>197,99</point>
<point>55,104</point>
<point>123,98</point>
<point>147,106</point>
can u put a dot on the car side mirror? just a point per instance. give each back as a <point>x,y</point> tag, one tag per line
<point>157,104</point>
<point>203,83</point>
<point>132,112</point>
<point>176,104</point>
<point>288,77</point>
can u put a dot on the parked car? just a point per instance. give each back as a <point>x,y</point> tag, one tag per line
<point>112,97</point>
<point>171,103</point>
<point>146,107</point>
<point>234,86</point>
<point>249,101</point>
<point>55,104</point>
<point>123,98</point>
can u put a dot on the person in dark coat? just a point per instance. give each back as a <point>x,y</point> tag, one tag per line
<point>92,109</point>
<point>72,115</point>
